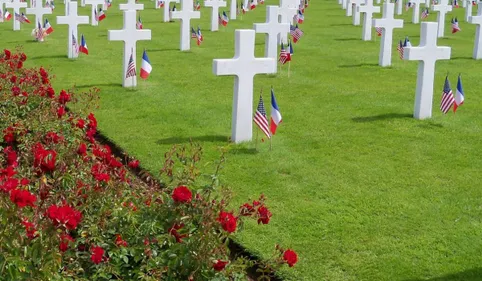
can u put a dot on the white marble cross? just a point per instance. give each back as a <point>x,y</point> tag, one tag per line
<point>340,2</point>
<point>244,66</point>
<point>427,53</point>
<point>82,3</point>
<point>286,11</point>
<point>130,35</point>
<point>273,28</point>
<point>39,11</point>
<point>442,8</point>
<point>415,4</point>
<point>246,4</point>
<point>388,23</point>
<point>356,13</point>
<point>66,7</point>
<point>349,8</point>
<point>72,19</point>
<point>427,3</point>
<point>464,3</point>
<point>233,9</point>
<point>399,7</point>
<point>95,7</point>
<point>185,15</point>
<point>167,9</point>
<point>16,5</point>
<point>468,10</point>
<point>2,2</point>
<point>344,4</point>
<point>368,9</point>
<point>215,5</point>
<point>478,37</point>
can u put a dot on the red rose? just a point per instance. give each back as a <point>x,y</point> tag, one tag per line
<point>82,150</point>
<point>134,164</point>
<point>227,221</point>
<point>19,64</point>
<point>80,123</point>
<point>246,209</point>
<point>13,79</point>
<point>9,185</point>
<point>65,239</point>
<point>8,135</point>
<point>30,229</point>
<point>52,137</point>
<point>97,255</point>
<point>173,231</point>
<point>60,112</point>
<point>11,156</point>
<point>64,97</point>
<point>22,198</point>
<point>44,159</point>
<point>92,121</point>
<point>290,257</point>
<point>16,91</point>
<point>23,57</point>
<point>64,215</point>
<point>182,194</point>
<point>98,171</point>
<point>43,73</point>
<point>119,242</point>
<point>50,92</point>
<point>7,53</point>
<point>24,182</point>
<point>219,265</point>
<point>264,215</point>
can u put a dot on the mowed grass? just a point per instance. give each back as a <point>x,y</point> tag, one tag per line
<point>360,189</point>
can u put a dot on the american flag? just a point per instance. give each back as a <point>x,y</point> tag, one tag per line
<point>19,18</point>
<point>455,25</point>
<point>260,118</point>
<point>193,33</point>
<point>40,32</point>
<point>455,3</point>
<point>379,30</point>
<point>400,49</point>
<point>131,67</point>
<point>200,37</point>
<point>75,46</point>
<point>296,33</point>
<point>284,56</point>
<point>447,97</point>
<point>425,13</point>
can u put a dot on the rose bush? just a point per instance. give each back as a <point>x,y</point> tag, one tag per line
<point>70,210</point>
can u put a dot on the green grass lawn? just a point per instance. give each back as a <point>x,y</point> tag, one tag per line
<point>357,187</point>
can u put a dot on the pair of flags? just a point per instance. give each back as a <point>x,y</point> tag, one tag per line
<point>146,66</point>
<point>448,98</point>
<point>197,35</point>
<point>241,9</point>
<point>285,55</point>
<point>379,30</point>
<point>401,45</point>
<point>139,23</point>
<point>455,25</point>
<point>299,17</point>
<point>425,13</point>
<point>455,4</point>
<point>160,3</point>
<point>408,6</point>
<point>48,28</point>
<point>50,4</point>
<point>296,33</point>
<point>261,119</point>
<point>82,48</point>
<point>5,16</point>
<point>22,18</point>
<point>223,19</point>
<point>253,5</point>
<point>197,6</point>
<point>100,16</point>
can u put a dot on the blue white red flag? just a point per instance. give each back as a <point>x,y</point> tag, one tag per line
<point>275,114</point>
<point>146,66</point>
<point>459,95</point>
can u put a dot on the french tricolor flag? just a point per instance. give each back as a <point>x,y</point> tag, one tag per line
<point>48,28</point>
<point>101,15</point>
<point>7,16</point>
<point>459,95</point>
<point>83,46</point>
<point>275,114</point>
<point>146,66</point>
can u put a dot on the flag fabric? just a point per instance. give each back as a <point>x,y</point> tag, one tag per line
<point>7,16</point>
<point>407,43</point>
<point>146,66</point>
<point>379,30</point>
<point>48,28</point>
<point>261,2</point>
<point>291,50</point>
<point>243,8</point>
<point>260,118</point>
<point>296,33</point>
<point>253,5</point>
<point>108,3</point>
<point>25,19</point>
<point>193,33</point>
<point>101,15</point>
<point>447,97</point>
<point>224,19</point>
<point>75,46</point>
<point>455,3</point>
<point>434,2</point>
<point>1,14</point>
<point>408,6</point>
<point>302,7</point>
<point>139,23</point>
<point>306,3</point>
<point>459,95</point>
<point>131,67</point>
<point>425,13</point>
<point>200,37</point>
<point>174,8</point>
<point>160,3</point>
<point>20,18</point>
<point>400,50</point>
<point>300,17</point>
<point>284,56</point>
<point>83,45</point>
<point>474,3</point>
<point>197,6</point>
<point>275,114</point>
<point>40,32</point>
<point>455,26</point>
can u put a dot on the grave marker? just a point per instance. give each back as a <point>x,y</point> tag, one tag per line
<point>167,9</point>
<point>185,15</point>
<point>442,9</point>
<point>215,5</point>
<point>232,10</point>
<point>244,66</point>
<point>16,5</point>
<point>368,9</point>
<point>468,10</point>
<point>287,10</point>
<point>72,19</point>
<point>478,38</point>
<point>427,53</point>
<point>356,13</point>
<point>39,11</point>
<point>399,7</point>
<point>388,23</point>
<point>273,28</point>
<point>94,8</point>
<point>416,10</point>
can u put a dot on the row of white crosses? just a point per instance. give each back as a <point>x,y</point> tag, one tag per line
<point>39,11</point>
<point>185,15</point>
<point>94,8</point>
<point>167,9</point>
<point>215,5</point>
<point>16,5</point>
<point>72,19</point>
<point>478,36</point>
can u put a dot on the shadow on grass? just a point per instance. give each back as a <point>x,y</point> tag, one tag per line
<point>347,39</point>
<point>163,50</point>
<point>462,58</point>
<point>474,274</point>
<point>244,150</point>
<point>99,85</point>
<point>340,24</point>
<point>49,57</point>
<point>358,65</point>
<point>381,117</point>
<point>209,138</point>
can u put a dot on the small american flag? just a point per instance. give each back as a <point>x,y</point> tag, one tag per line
<point>455,26</point>
<point>284,56</point>
<point>40,32</point>
<point>447,97</point>
<point>75,46</point>
<point>296,33</point>
<point>400,49</point>
<point>260,118</point>
<point>379,30</point>
<point>425,13</point>
<point>193,33</point>
<point>131,67</point>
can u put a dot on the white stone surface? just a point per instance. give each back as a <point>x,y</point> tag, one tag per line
<point>468,10</point>
<point>273,28</point>
<point>442,9</point>
<point>368,10</point>
<point>246,4</point>
<point>464,3</point>
<point>232,10</point>
<point>130,35</point>
<point>344,4</point>
<point>399,7</point>
<point>287,10</point>
<point>185,15</point>
<point>94,8</point>
<point>427,53</point>
<point>478,37</point>
<point>340,2</point>
<point>349,8</point>
<point>167,9</point>
<point>39,11</point>
<point>215,5</point>
<point>16,5</point>
<point>72,19</point>
<point>66,7</point>
<point>416,10</point>
<point>427,3</point>
<point>82,3</point>
<point>355,12</point>
<point>244,66</point>
<point>388,23</point>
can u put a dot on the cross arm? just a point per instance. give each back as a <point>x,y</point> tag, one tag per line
<point>419,53</point>
<point>225,67</point>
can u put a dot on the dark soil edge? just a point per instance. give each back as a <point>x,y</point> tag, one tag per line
<point>237,250</point>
